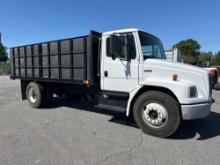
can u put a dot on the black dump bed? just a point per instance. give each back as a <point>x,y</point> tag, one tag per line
<point>68,60</point>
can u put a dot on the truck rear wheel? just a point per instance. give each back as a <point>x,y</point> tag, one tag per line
<point>35,95</point>
<point>157,113</point>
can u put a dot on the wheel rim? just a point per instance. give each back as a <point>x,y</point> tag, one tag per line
<point>32,95</point>
<point>155,114</point>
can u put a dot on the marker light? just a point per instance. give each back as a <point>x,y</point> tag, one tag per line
<point>175,76</point>
<point>88,83</point>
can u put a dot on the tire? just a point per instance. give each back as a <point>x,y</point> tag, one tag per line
<point>157,113</point>
<point>36,95</point>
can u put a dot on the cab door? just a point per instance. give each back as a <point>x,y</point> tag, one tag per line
<point>119,72</point>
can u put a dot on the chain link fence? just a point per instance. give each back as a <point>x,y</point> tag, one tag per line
<point>4,68</point>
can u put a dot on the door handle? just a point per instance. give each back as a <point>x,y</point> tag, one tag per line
<point>106,73</point>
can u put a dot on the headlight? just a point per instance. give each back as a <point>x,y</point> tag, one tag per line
<point>193,91</point>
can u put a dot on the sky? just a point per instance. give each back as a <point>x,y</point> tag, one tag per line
<point>30,21</point>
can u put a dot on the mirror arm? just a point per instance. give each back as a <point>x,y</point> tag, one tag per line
<point>113,56</point>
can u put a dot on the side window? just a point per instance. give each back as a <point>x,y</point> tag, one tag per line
<point>126,46</point>
<point>131,50</point>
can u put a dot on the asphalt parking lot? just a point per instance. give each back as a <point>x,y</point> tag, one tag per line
<point>70,132</point>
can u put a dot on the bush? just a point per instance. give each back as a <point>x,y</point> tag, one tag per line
<point>4,68</point>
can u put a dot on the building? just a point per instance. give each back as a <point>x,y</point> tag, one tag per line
<point>173,55</point>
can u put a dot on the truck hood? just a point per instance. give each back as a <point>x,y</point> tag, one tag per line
<point>175,66</point>
<point>157,68</point>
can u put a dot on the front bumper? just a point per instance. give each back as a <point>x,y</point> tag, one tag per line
<point>195,111</point>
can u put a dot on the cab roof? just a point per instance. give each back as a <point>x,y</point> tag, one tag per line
<point>121,31</point>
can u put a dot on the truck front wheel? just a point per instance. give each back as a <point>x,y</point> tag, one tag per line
<point>35,95</point>
<point>157,113</point>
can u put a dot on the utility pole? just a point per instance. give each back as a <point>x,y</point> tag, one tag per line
<point>0,37</point>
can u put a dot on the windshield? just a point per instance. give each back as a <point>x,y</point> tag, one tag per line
<point>151,46</point>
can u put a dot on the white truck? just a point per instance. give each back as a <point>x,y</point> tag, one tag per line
<point>126,69</point>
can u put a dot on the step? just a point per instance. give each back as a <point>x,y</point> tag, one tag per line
<point>111,107</point>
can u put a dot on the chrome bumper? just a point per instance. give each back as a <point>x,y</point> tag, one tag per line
<point>195,111</point>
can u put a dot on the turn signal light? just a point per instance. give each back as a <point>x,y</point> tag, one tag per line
<point>88,83</point>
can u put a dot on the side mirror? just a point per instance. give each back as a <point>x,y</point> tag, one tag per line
<point>113,46</point>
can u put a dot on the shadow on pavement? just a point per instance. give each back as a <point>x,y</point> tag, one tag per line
<point>117,117</point>
<point>201,129</point>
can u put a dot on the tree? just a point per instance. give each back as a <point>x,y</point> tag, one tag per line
<point>217,59</point>
<point>188,47</point>
<point>206,58</point>
<point>3,53</point>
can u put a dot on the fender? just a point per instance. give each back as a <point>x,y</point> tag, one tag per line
<point>179,88</point>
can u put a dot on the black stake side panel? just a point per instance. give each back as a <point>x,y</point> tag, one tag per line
<point>68,60</point>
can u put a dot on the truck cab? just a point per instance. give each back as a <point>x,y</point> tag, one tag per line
<point>133,62</point>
